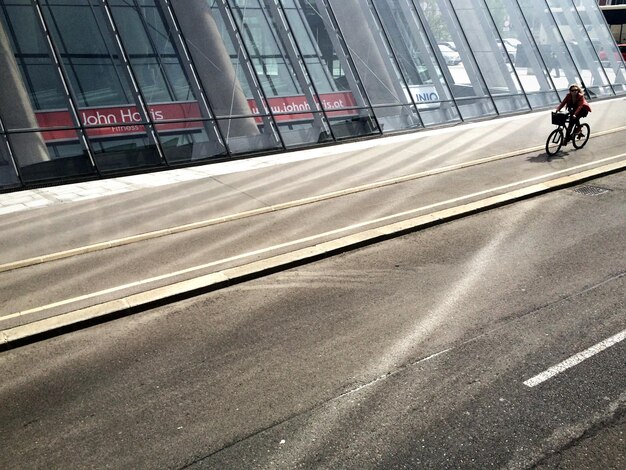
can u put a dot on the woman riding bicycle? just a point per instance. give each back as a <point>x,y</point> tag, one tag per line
<point>578,108</point>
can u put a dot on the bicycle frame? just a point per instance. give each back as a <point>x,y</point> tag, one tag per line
<point>562,135</point>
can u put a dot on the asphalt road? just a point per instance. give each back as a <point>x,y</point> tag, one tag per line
<point>425,351</point>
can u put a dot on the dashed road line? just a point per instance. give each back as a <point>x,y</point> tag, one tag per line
<point>575,359</point>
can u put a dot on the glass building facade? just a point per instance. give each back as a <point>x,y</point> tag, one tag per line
<point>95,88</point>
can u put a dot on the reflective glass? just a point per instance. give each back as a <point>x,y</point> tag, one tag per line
<point>154,61</point>
<point>459,68</point>
<point>8,174</point>
<point>64,156</point>
<point>29,74</point>
<point>619,33</point>
<point>283,79</point>
<point>268,55</point>
<point>162,76</point>
<point>580,47</point>
<point>187,141</point>
<point>493,58</point>
<point>376,65</point>
<point>602,40</point>
<point>249,143</point>
<point>519,44</point>
<point>95,70</point>
<point>226,74</point>
<point>316,64</point>
<point>105,86</point>
<point>550,44</point>
<point>331,69</point>
<point>134,150</point>
<point>32,97</point>
<point>296,129</point>
<point>101,84</point>
<point>345,127</point>
<point>414,54</point>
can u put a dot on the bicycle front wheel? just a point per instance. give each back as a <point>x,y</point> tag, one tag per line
<point>579,140</point>
<point>554,142</point>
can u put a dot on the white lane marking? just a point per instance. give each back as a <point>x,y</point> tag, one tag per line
<point>575,359</point>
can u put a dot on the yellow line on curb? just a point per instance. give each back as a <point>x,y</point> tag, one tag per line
<point>234,274</point>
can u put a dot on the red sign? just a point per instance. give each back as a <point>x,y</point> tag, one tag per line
<point>291,108</point>
<point>119,120</point>
<point>116,120</point>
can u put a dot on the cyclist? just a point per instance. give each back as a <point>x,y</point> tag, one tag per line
<point>578,108</point>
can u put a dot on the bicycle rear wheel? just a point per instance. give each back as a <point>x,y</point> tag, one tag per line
<point>554,142</point>
<point>579,142</point>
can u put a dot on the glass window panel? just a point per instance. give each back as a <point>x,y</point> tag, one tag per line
<point>376,65</point>
<point>155,62</point>
<point>114,121</point>
<point>188,141</point>
<point>616,31</point>
<point>8,173</point>
<point>114,154</point>
<point>316,64</point>
<point>296,129</point>
<point>604,44</point>
<point>88,52</point>
<point>160,73</point>
<point>346,127</point>
<point>252,142</point>
<point>310,26</point>
<point>519,44</point>
<point>425,81</point>
<point>550,44</point>
<point>457,63</point>
<point>580,47</point>
<point>339,87</point>
<point>29,78</point>
<point>268,56</point>
<point>64,156</point>
<point>32,97</point>
<point>491,54</point>
<point>285,83</point>
<point>227,77</point>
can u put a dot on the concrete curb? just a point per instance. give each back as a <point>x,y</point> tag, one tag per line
<point>19,335</point>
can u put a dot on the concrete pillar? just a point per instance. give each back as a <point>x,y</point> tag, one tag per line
<point>16,109</point>
<point>380,86</point>
<point>213,64</point>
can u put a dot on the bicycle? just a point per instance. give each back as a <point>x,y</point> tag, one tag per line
<point>557,136</point>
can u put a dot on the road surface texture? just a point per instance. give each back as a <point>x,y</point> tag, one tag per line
<point>495,340</point>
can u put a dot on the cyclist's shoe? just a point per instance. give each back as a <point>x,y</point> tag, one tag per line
<point>565,141</point>
<point>580,135</point>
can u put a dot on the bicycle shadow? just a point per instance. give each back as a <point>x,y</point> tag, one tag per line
<point>545,158</point>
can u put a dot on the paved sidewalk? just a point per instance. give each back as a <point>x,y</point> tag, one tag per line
<point>75,192</point>
<point>86,251</point>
